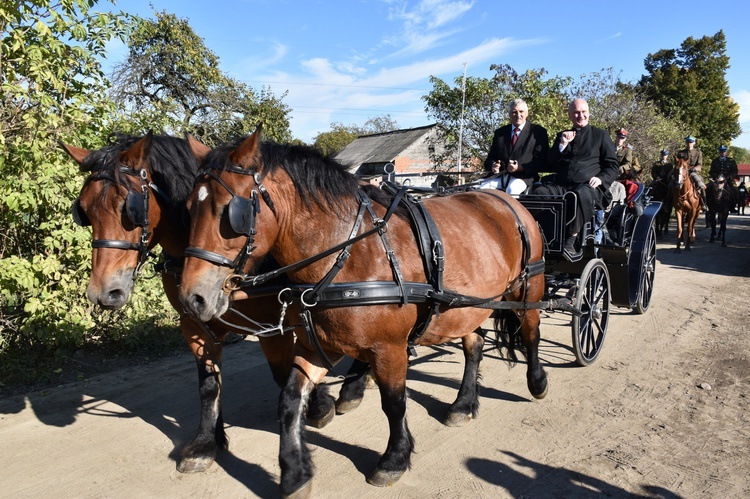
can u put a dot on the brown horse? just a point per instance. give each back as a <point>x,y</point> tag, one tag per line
<point>335,237</point>
<point>686,202</point>
<point>134,199</point>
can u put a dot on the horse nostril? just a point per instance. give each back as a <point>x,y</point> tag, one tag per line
<point>197,303</point>
<point>114,299</point>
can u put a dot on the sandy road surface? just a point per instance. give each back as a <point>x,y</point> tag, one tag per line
<point>664,412</point>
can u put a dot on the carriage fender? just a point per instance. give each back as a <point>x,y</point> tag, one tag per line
<point>637,244</point>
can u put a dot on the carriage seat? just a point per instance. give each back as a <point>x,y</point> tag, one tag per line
<point>621,216</point>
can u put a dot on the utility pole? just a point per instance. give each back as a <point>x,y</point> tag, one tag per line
<point>461,126</point>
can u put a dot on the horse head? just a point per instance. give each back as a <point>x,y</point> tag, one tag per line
<point>228,207</point>
<point>127,219</point>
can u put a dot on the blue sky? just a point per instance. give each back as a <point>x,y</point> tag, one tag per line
<point>347,61</point>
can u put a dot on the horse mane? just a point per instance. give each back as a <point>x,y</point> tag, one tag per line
<point>318,179</point>
<point>172,164</point>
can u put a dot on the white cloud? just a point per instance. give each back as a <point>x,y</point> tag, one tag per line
<point>422,26</point>
<point>272,57</point>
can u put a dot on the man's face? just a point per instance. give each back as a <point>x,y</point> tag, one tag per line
<point>722,153</point>
<point>689,144</point>
<point>518,115</point>
<point>619,141</point>
<point>578,111</point>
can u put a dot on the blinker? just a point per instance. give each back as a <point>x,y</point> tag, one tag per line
<point>241,212</point>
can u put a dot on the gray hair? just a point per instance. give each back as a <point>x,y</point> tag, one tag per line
<point>515,103</point>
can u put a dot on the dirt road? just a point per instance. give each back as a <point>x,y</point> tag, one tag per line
<point>664,412</point>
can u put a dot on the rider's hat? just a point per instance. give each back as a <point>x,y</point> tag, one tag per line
<point>722,148</point>
<point>664,152</point>
<point>621,132</point>
<point>689,138</point>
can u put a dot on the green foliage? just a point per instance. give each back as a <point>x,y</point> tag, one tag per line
<point>171,82</point>
<point>615,104</point>
<point>340,135</point>
<point>689,84</point>
<point>486,108</point>
<point>52,89</point>
<point>740,154</point>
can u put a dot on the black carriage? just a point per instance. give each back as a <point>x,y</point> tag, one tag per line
<point>620,250</point>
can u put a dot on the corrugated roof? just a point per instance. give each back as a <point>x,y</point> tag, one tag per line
<point>380,147</point>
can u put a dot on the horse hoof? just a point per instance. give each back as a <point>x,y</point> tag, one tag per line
<point>543,393</point>
<point>456,419</point>
<point>323,420</point>
<point>384,478</point>
<point>301,493</point>
<point>194,465</point>
<point>344,406</point>
<point>370,382</point>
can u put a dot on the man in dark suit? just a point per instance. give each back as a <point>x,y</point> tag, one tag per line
<point>585,162</point>
<point>518,152</point>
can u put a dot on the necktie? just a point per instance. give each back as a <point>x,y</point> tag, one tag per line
<point>514,138</point>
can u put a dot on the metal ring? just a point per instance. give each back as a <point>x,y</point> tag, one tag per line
<point>228,286</point>
<point>302,299</point>
<point>281,301</point>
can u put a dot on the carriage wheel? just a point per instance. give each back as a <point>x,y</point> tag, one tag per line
<point>648,271</point>
<point>592,299</point>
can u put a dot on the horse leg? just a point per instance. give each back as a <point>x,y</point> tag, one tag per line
<point>536,378</point>
<point>279,352</point>
<point>353,388</point>
<point>294,455</point>
<point>678,212</point>
<point>466,406</point>
<point>693,218</point>
<point>200,452</point>
<point>389,370</point>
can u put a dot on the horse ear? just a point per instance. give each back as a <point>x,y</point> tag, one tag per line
<point>78,154</point>
<point>248,153</point>
<point>200,150</point>
<point>137,153</point>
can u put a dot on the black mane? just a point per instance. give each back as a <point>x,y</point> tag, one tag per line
<point>172,164</point>
<point>317,178</point>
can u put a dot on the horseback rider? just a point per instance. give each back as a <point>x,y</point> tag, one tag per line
<point>724,165</point>
<point>695,163</point>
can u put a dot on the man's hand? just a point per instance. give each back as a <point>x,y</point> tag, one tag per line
<point>512,166</point>
<point>567,137</point>
<point>595,182</point>
<point>496,167</point>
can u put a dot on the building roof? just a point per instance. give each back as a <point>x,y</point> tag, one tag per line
<point>743,169</point>
<point>380,147</point>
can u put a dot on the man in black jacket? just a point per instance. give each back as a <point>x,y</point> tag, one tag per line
<point>519,159</point>
<point>585,162</point>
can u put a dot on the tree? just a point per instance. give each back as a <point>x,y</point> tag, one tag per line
<point>615,104</point>
<point>486,108</point>
<point>52,88</point>
<point>689,84</point>
<point>172,81</point>
<point>340,135</point>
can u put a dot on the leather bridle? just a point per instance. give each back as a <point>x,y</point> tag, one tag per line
<point>136,208</point>
<point>242,213</point>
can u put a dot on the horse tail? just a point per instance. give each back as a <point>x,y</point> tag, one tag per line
<point>507,328</point>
